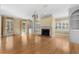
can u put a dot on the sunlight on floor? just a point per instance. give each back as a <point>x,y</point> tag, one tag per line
<point>37,39</point>
<point>24,39</point>
<point>0,44</point>
<point>62,44</point>
<point>9,42</point>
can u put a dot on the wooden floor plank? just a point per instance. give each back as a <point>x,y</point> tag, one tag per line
<point>35,44</point>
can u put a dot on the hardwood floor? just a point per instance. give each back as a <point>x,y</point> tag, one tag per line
<point>35,44</point>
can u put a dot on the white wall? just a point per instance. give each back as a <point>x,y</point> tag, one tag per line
<point>74,32</point>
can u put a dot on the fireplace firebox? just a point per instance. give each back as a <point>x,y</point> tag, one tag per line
<point>45,32</point>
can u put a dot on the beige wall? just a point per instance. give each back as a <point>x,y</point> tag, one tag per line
<point>17,26</point>
<point>61,21</point>
<point>46,21</point>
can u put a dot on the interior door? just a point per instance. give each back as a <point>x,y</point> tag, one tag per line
<point>9,27</point>
<point>24,27</point>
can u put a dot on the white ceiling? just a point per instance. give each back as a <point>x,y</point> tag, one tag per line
<point>27,10</point>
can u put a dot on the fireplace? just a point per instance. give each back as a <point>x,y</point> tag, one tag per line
<point>45,32</point>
